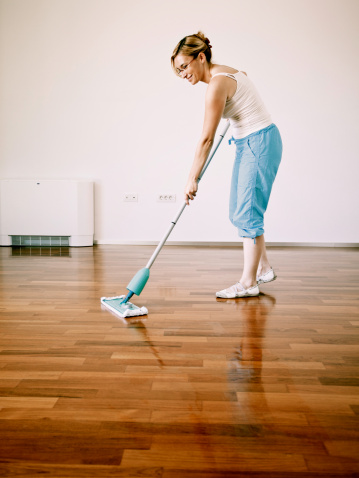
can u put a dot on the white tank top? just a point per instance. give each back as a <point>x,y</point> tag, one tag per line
<point>245,110</point>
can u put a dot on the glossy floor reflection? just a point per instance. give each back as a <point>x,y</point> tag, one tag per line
<point>201,387</point>
<point>40,251</point>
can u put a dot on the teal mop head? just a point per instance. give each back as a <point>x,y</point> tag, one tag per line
<point>121,308</point>
<point>120,305</point>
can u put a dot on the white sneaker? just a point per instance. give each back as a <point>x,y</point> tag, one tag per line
<point>267,277</point>
<point>237,290</point>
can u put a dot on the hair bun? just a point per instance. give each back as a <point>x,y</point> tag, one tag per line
<point>203,37</point>
<point>206,40</point>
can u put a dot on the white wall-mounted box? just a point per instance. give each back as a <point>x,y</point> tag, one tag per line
<point>62,208</point>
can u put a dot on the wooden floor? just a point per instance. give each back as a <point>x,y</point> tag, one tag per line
<point>200,388</point>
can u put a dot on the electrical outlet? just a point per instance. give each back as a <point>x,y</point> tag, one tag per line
<point>166,198</point>
<point>130,197</point>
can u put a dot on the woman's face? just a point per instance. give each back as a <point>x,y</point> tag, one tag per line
<point>189,68</point>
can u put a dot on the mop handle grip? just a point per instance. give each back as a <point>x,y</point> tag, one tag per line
<point>178,215</point>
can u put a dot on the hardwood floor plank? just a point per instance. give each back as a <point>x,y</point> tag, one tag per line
<point>248,417</point>
<point>89,414</point>
<point>343,448</point>
<point>30,470</point>
<point>175,473</point>
<point>208,459</point>
<point>27,402</point>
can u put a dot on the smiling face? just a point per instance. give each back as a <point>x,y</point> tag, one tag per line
<point>189,68</point>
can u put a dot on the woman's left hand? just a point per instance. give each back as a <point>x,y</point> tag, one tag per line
<point>190,190</point>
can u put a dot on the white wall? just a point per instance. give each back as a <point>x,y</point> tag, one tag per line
<point>87,92</point>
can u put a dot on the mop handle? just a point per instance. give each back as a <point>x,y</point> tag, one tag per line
<point>178,215</point>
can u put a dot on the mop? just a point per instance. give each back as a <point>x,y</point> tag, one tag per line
<point>120,305</point>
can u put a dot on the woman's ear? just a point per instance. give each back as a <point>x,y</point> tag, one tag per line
<point>202,57</point>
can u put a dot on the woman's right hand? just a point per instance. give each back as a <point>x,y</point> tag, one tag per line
<point>190,190</point>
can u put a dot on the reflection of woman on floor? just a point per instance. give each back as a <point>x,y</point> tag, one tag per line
<point>231,94</point>
<point>247,358</point>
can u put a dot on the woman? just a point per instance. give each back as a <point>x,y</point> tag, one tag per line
<point>230,94</point>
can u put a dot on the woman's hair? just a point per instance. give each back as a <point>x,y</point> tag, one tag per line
<point>192,45</point>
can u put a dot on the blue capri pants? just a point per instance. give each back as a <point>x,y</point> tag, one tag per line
<point>258,156</point>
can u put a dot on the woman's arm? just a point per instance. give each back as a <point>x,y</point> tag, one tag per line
<point>216,97</point>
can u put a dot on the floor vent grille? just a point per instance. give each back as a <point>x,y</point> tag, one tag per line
<point>40,241</point>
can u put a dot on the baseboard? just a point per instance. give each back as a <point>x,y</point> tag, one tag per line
<point>227,244</point>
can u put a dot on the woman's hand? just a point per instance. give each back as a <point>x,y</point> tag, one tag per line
<point>190,190</point>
